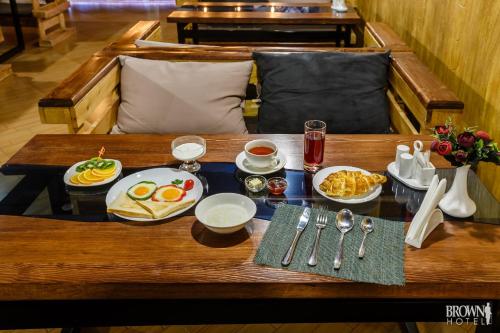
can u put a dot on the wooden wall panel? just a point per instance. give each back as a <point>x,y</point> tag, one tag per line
<point>459,40</point>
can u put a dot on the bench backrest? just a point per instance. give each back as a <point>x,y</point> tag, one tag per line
<point>88,100</point>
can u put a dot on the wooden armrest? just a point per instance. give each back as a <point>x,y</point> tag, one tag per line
<point>51,9</point>
<point>141,30</point>
<point>88,96</point>
<point>431,91</point>
<point>69,92</point>
<point>419,94</point>
<point>381,35</point>
<point>418,98</point>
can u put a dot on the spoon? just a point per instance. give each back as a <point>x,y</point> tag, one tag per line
<point>367,227</point>
<point>345,222</point>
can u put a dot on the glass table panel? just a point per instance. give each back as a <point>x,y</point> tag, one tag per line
<point>40,191</point>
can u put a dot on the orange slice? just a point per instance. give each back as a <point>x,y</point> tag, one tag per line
<point>82,180</point>
<point>106,172</point>
<point>74,179</point>
<point>87,174</point>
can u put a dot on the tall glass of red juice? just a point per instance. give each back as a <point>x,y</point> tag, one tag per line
<point>314,144</point>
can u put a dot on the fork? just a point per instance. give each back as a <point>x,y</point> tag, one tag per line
<point>321,221</point>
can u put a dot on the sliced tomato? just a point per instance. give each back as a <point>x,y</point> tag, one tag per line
<point>170,193</point>
<point>188,185</point>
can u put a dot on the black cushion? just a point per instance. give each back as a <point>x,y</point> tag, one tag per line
<point>346,90</point>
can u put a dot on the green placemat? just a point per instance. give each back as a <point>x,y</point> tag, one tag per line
<point>384,257</point>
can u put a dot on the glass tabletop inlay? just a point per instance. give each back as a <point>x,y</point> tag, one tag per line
<point>40,191</point>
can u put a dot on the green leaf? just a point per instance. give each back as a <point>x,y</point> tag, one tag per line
<point>479,144</point>
<point>177,182</point>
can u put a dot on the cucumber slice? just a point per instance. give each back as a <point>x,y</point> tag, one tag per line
<point>109,164</point>
<point>80,168</point>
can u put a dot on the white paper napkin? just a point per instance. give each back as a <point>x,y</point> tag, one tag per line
<point>428,216</point>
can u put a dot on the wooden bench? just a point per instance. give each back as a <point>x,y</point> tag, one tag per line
<point>88,100</point>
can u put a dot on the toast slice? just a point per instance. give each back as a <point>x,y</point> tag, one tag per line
<point>125,206</point>
<point>163,209</point>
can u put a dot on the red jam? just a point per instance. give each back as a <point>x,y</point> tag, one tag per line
<point>277,185</point>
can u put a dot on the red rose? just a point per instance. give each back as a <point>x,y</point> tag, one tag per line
<point>483,135</point>
<point>444,148</point>
<point>466,139</point>
<point>442,129</point>
<point>434,145</point>
<point>461,156</point>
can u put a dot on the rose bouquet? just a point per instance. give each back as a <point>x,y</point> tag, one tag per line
<point>466,148</point>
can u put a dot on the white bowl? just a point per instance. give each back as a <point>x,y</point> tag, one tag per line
<point>225,213</point>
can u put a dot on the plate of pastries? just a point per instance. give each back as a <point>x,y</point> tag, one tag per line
<point>347,184</point>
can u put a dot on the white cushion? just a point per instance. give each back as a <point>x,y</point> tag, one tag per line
<point>150,43</point>
<point>182,97</point>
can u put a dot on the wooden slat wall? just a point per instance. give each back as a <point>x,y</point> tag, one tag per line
<point>459,40</point>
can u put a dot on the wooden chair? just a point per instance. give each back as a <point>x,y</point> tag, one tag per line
<point>88,100</point>
<point>51,22</point>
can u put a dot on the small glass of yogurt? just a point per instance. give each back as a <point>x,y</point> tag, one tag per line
<point>189,149</point>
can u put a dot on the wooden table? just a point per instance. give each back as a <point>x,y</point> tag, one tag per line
<point>246,14</point>
<point>183,266</point>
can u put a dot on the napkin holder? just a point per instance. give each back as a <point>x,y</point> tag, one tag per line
<point>428,216</point>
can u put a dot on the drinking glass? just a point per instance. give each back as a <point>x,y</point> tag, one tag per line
<point>314,144</point>
<point>188,149</point>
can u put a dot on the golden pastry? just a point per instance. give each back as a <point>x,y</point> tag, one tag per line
<point>346,184</point>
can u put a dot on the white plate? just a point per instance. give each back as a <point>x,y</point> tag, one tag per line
<point>243,165</point>
<point>323,173</point>
<point>72,171</point>
<point>408,182</point>
<point>161,176</point>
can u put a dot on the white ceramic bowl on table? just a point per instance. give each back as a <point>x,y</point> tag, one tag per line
<point>225,213</point>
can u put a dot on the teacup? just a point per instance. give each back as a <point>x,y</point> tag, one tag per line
<point>261,153</point>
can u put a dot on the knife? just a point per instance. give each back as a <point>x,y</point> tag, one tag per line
<point>304,219</point>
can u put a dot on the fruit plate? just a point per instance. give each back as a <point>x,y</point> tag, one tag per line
<point>323,173</point>
<point>161,176</point>
<point>72,171</point>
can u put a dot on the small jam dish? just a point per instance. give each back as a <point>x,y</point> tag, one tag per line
<point>277,185</point>
<point>255,183</point>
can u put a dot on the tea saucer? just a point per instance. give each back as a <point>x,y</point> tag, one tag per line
<point>245,166</point>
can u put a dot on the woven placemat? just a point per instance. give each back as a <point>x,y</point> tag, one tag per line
<point>384,257</point>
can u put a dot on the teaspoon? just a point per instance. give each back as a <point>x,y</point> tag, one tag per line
<point>367,227</point>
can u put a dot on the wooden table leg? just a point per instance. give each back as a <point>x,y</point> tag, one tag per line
<point>19,33</point>
<point>196,39</point>
<point>347,36</point>
<point>181,33</point>
<point>359,32</point>
<point>338,32</point>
